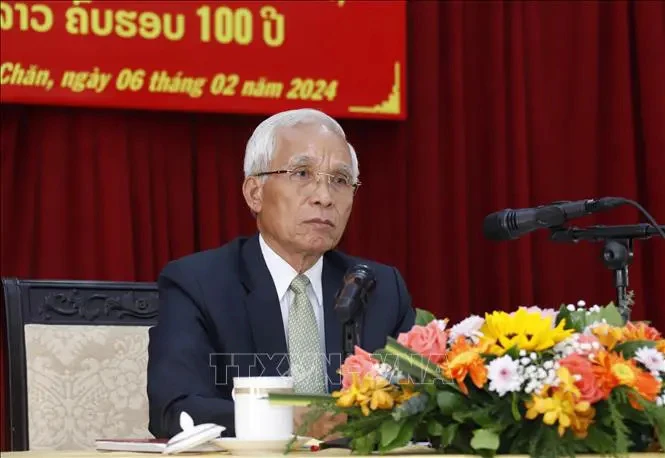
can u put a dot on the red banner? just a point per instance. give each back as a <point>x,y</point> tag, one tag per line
<point>345,57</point>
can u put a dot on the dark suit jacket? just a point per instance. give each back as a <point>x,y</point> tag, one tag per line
<point>219,308</point>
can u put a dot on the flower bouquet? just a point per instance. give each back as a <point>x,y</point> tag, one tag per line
<point>541,382</point>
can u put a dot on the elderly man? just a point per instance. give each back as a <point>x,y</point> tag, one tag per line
<point>241,309</point>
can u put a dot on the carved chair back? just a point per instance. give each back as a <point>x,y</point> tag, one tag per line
<point>77,356</point>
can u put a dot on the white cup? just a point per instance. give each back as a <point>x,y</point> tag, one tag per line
<point>255,417</point>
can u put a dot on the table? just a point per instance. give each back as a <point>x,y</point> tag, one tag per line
<point>324,453</point>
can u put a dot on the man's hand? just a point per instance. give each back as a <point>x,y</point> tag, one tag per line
<point>321,427</point>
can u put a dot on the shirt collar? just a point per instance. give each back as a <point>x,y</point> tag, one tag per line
<point>283,274</point>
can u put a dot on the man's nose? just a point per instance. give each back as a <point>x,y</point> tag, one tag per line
<point>321,195</point>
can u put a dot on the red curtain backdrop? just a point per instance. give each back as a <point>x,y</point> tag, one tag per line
<point>510,105</point>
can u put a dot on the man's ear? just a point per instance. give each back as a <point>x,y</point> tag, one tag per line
<point>252,189</point>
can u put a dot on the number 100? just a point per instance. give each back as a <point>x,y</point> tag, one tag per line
<point>227,25</point>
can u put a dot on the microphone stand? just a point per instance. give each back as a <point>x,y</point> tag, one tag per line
<point>351,314</point>
<point>617,252</point>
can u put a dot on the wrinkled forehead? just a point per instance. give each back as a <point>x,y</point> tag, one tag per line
<point>311,144</point>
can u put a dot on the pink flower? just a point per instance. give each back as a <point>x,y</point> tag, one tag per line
<point>581,368</point>
<point>429,341</point>
<point>360,363</point>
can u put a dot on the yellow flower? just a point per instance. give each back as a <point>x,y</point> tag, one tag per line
<point>371,393</point>
<point>607,335</point>
<point>624,374</point>
<point>525,330</point>
<point>563,408</point>
<point>567,382</point>
<point>660,345</point>
<point>407,392</point>
<point>353,395</point>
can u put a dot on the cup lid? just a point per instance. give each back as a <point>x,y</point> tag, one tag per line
<point>192,436</point>
<point>263,382</point>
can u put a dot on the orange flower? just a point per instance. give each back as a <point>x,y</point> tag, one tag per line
<point>640,331</point>
<point>647,386</point>
<point>611,370</point>
<point>465,359</point>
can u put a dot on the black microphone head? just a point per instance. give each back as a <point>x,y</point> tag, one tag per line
<point>360,272</point>
<point>358,282</point>
<point>496,226</point>
<point>511,224</point>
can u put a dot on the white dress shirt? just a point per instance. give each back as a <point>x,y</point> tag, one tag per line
<point>282,275</point>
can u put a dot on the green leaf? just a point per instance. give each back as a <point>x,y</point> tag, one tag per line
<point>404,355</point>
<point>580,319</point>
<point>574,320</point>
<point>599,441</point>
<point>656,416</point>
<point>364,445</point>
<point>621,432</point>
<point>628,349</point>
<point>515,407</point>
<point>434,428</point>
<point>610,314</point>
<point>485,439</point>
<point>414,374</point>
<point>423,317</point>
<point>414,406</point>
<point>405,434</point>
<point>301,400</point>
<point>450,402</point>
<point>389,431</point>
<point>483,417</point>
<point>361,425</point>
<point>448,434</point>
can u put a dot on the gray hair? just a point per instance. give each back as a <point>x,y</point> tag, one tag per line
<point>261,145</point>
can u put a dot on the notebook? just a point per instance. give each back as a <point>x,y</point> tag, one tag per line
<point>146,446</point>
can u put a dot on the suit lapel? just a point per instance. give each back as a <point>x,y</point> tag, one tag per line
<point>263,311</point>
<point>333,274</point>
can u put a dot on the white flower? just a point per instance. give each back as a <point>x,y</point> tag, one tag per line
<point>469,327</point>
<point>388,372</point>
<point>504,376</point>
<point>660,400</point>
<point>652,359</point>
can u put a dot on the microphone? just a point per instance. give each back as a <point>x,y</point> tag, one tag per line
<point>352,296</point>
<point>350,302</point>
<point>510,224</point>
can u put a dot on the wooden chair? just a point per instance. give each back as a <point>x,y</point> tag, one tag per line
<point>77,357</point>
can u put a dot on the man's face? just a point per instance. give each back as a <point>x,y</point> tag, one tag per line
<point>301,216</point>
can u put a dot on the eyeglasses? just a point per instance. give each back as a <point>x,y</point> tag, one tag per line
<point>305,177</point>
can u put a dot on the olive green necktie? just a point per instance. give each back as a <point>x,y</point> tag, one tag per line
<point>305,358</point>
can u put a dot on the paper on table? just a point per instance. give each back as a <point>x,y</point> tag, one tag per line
<point>193,438</point>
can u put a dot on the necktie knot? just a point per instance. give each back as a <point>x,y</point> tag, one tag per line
<point>299,284</point>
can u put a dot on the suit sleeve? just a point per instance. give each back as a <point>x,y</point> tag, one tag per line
<point>406,314</point>
<point>180,376</point>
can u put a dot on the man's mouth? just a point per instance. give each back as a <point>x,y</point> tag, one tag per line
<point>325,222</point>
